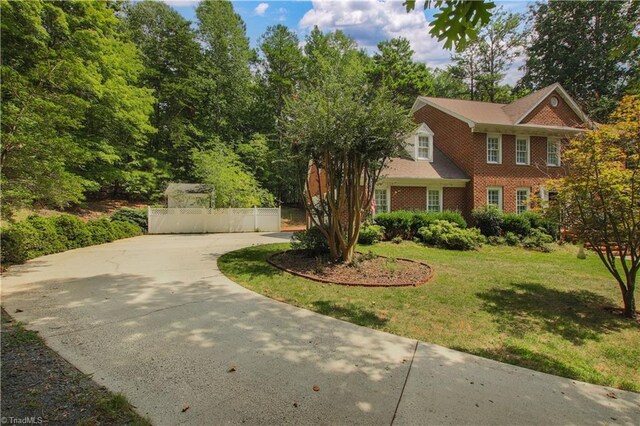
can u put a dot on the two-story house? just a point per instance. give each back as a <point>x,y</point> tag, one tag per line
<point>466,154</point>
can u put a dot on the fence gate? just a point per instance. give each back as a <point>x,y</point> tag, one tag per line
<point>196,220</point>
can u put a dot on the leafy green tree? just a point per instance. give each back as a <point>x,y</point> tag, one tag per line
<point>458,21</point>
<point>394,68</point>
<point>483,62</point>
<point>348,129</point>
<point>282,71</point>
<point>467,68</point>
<point>233,185</point>
<point>447,85</point>
<point>225,77</point>
<point>283,65</point>
<point>501,43</point>
<point>171,55</point>
<point>73,118</point>
<point>588,47</point>
<point>600,196</point>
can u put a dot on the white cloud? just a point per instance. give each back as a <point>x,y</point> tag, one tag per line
<point>261,9</point>
<point>371,21</point>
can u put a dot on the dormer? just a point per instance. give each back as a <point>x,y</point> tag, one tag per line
<point>419,144</point>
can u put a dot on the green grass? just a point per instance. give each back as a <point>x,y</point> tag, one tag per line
<point>543,311</point>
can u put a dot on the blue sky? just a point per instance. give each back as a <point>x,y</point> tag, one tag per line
<point>367,21</point>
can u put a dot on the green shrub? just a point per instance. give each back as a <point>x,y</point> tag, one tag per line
<point>496,240</point>
<point>136,216</point>
<point>311,240</point>
<point>488,219</point>
<point>72,231</point>
<point>20,242</point>
<point>370,234</point>
<point>101,231</point>
<point>511,239</point>
<point>453,217</point>
<point>537,239</point>
<point>516,224</point>
<point>395,224</point>
<point>536,220</point>
<point>121,229</point>
<point>396,240</point>
<point>405,224</point>
<point>50,240</point>
<point>450,236</point>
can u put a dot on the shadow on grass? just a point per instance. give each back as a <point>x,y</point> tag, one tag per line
<point>249,261</point>
<point>526,358</point>
<point>351,313</point>
<point>576,316</point>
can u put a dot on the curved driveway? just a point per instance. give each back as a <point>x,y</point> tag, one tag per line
<point>154,318</point>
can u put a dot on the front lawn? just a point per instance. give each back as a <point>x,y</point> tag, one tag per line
<point>544,311</point>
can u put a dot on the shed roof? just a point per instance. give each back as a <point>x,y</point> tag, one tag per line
<point>189,188</point>
<point>407,168</point>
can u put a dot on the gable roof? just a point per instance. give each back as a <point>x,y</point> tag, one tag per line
<point>189,188</point>
<point>476,112</point>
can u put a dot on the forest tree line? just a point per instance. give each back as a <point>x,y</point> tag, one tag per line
<point>111,99</point>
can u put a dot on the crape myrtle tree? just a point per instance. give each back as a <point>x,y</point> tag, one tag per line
<point>600,195</point>
<point>346,130</point>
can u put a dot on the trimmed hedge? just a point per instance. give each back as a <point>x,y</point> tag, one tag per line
<point>489,220</point>
<point>405,224</point>
<point>39,236</point>
<point>516,224</point>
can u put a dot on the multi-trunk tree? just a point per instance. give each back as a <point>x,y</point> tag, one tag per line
<point>346,130</point>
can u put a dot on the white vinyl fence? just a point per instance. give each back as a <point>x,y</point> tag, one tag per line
<point>196,220</point>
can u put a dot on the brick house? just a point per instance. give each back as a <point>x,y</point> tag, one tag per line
<point>466,154</point>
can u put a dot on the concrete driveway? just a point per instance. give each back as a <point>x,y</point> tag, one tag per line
<point>154,318</point>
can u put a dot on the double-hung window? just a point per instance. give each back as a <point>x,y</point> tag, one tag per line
<point>553,152</point>
<point>494,196</point>
<point>424,148</point>
<point>382,201</point>
<point>522,150</point>
<point>434,200</point>
<point>494,149</point>
<point>522,200</point>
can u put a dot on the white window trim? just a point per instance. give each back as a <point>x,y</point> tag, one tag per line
<point>387,191</point>
<point>559,144</point>
<point>528,139</point>
<point>500,202</point>
<point>528,190</point>
<point>492,135</point>
<point>440,196</point>
<point>425,132</point>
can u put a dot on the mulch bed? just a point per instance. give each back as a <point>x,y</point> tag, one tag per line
<point>366,270</point>
<point>39,386</point>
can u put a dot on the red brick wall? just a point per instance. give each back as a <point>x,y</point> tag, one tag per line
<point>454,199</point>
<point>451,136</point>
<point>509,175</point>
<point>561,115</point>
<point>408,198</point>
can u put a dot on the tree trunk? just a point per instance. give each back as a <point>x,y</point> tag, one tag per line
<point>629,302</point>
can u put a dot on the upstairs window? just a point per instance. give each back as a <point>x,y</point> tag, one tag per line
<point>522,200</point>
<point>494,196</point>
<point>553,152</point>
<point>522,150</point>
<point>424,147</point>
<point>494,149</point>
<point>382,201</point>
<point>434,200</point>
